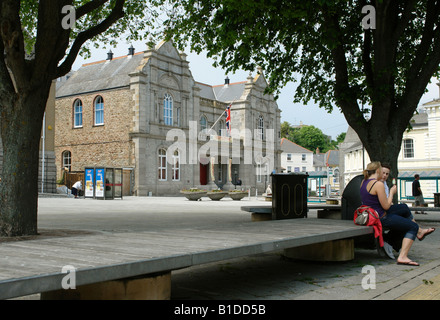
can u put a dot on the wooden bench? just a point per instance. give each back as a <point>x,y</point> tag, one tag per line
<point>138,265</point>
<point>264,212</point>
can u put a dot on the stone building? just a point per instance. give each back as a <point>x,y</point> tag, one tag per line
<point>145,113</point>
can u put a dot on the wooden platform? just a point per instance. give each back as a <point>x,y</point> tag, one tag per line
<point>35,265</point>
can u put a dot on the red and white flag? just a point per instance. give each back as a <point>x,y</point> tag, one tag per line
<point>228,118</point>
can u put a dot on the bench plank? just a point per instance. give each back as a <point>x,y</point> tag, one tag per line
<point>34,266</point>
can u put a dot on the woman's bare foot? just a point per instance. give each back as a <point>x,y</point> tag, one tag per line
<point>424,232</point>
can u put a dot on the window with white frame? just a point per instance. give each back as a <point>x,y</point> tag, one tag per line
<point>260,128</point>
<point>99,111</point>
<point>168,109</point>
<point>408,148</point>
<point>303,157</point>
<point>67,160</point>
<point>176,166</point>
<point>203,123</point>
<point>162,165</point>
<point>77,114</point>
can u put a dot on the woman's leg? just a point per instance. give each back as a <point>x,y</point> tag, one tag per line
<point>404,225</point>
<point>403,254</point>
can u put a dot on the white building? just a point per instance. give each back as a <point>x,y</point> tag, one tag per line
<point>295,158</point>
<point>420,153</point>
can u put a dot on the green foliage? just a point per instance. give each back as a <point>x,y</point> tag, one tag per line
<point>310,137</point>
<point>140,21</point>
<point>322,45</point>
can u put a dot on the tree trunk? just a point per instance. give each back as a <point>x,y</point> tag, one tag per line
<point>21,130</point>
<point>384,146</point>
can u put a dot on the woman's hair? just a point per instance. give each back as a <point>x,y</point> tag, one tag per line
<point>371,169</point>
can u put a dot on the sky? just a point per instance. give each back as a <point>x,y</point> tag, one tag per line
<point>331,124</point>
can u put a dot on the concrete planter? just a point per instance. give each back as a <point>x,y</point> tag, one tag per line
<point>193,195</point>
<point>216,195</point>
<point>238,195</point>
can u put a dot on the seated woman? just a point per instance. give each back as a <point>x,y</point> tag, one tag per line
<point>394,217</point>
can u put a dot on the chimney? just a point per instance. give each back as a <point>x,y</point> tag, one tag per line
<point>110,55</point>
<point>226,81</point>
<point>131,51</point>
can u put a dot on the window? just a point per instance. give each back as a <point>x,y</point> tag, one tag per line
<point>178,116</point>
<point>162,168</point>
<point>303,157</point>
<point>203,123</point>
<point>289,157</point>
<point>176,166</point>
<point>260,128</point>
<point>99,111</point>
<point>289,169</point>
<point>259,172</point>
<point>408,148</point>
<point>221,128</point>
<point>77,114</point>
<point>67,160</point>
<point>168,110</point>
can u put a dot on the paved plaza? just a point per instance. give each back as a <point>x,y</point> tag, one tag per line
<point>264,276</point>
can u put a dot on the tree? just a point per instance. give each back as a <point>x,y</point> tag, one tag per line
<point>371,59</point>
<point>39,42</point>
<point>312,138</point>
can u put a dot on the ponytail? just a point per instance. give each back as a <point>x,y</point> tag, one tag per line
<point>371,169</point>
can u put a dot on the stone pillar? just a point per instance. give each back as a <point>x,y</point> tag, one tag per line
<point>228,185</point>
<point>156,287</point>
<point>336,250</point>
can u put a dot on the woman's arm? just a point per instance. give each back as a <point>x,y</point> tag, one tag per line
<point>385,202</point>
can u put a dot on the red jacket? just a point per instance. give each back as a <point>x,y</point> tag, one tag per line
<point>374,221</point>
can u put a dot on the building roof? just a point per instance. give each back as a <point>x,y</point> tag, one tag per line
<point>289,146</point>
<point>101,75</point>
<point>223,92</point>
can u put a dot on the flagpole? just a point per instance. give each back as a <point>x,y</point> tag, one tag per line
<point>222,114</point>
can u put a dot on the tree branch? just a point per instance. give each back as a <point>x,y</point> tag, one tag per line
<point>13,43</point>
<point>403,22</point>
<point>6,85</point>
<point>89,7</point>
<point>114,16</point>
<point>344,95</point>
<point>432,14</point>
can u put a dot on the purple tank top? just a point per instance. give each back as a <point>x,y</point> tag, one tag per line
<point>371,200</point>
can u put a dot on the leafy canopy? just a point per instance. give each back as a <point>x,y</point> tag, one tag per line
<point>288,38</point>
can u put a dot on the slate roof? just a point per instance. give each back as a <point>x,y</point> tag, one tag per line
<point>101,75</point>
<point>289,146</point>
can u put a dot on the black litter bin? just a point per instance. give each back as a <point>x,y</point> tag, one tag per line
<point>436,199</point>
<point>351,198</point>
<point>289,195</point>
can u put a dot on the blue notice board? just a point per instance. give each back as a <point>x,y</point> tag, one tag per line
<point>89,191</point>
<point>99,182</point>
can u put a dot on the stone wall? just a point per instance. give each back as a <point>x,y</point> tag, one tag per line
<point>91,145</point>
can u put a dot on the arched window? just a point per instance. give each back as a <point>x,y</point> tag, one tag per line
<point>162,165</point>
<point>408,148</point>
<point>203,123</point>
<point>260,128</point>
<point>168,109</point>
<point>77,113</point>
<point>176,166</point>
<point>67,160</point>
<point>99,111</point>
<point>221,128</point>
